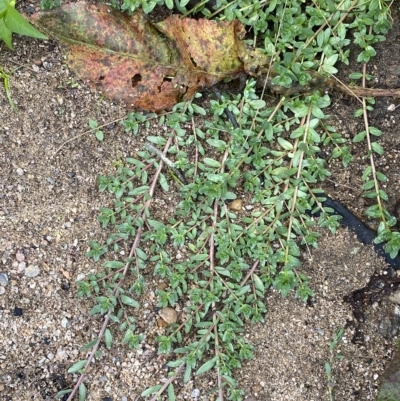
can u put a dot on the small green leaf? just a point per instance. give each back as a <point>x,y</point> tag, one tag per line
<point>171,393</point>
<point>114,264</point>
<point>285,144</point>
<point>63,392</point>
<point>151,390</point>
<point>129,301</point>
<point>89,345</point>
<point>99,135</point>
<point>77,366</point>
<point>377,148</point>
<point>360,136</point>
<point>82,392</point>
<point>212,162</point>
<point>206,366</point>
<point>158,140</point>
<point>258,283</point>
<point>108,338</point>
<point>93,124</point>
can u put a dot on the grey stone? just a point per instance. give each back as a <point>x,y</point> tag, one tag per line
<point>3,279</point>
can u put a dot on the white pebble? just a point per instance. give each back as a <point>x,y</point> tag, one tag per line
<point>21,267</point>
<point>32,271</point>
<point>20,171</point>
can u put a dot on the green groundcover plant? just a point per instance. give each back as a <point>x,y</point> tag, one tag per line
<point>267,156</point>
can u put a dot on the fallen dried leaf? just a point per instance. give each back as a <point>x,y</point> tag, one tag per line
<point>150,66</point>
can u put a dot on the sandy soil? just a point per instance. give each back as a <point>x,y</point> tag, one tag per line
<point>48,206</point>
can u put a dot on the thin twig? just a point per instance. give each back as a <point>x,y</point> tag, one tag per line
<point>84,133</point>
<point>165,159</point>
<point>168,382</point>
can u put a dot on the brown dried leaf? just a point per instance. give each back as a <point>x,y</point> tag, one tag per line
<point>149,66</point>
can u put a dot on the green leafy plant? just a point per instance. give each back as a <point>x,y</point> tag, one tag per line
<point>49,4</point>
<point>6,81</point>
<point>94,126</point>
<point>246,182</point>
<point>11,21</point>
<point>333,355</point>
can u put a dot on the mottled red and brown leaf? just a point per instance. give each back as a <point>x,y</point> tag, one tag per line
<point>149,66</point>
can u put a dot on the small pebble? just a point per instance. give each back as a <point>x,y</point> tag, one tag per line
<point>64,322</point>
<point>169,315</point>
<point>80,277</point>
<point>3,279</point>
<point>2,290</point>
<point>195,393</point>
<point>17,311</point>
<point>20,171</point>
<point>32,271</point>
<point>236,205</point>
<point>20,256</point>
<point>395,297</point>
<point>21,267</point>
<point>123,398</point>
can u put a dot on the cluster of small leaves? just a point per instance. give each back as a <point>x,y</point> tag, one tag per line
<point>272,161</point>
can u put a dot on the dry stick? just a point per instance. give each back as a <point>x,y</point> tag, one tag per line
<point>219,377</point>
<point>371,156</point>
<point>117,288</point>
<point>84,133</point>
<point>168,382</point>
<point>165,159</point>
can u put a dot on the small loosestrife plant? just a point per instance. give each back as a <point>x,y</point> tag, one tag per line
<point>268,157</point>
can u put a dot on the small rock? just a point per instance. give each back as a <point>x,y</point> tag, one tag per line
<point>2,290</point>
<point>64,322</point>
<point>20,256</point>
<point>21,267</point>
<point>161,323</point>
<point>32,271</point>
<point>395,297</point>
<point>195,393</point>
<point>236,205</point>
<point>169,315</point>
<point>80,277</point>
<point>3,279</point>
<point>18,311</point>
<point>20,171</point>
